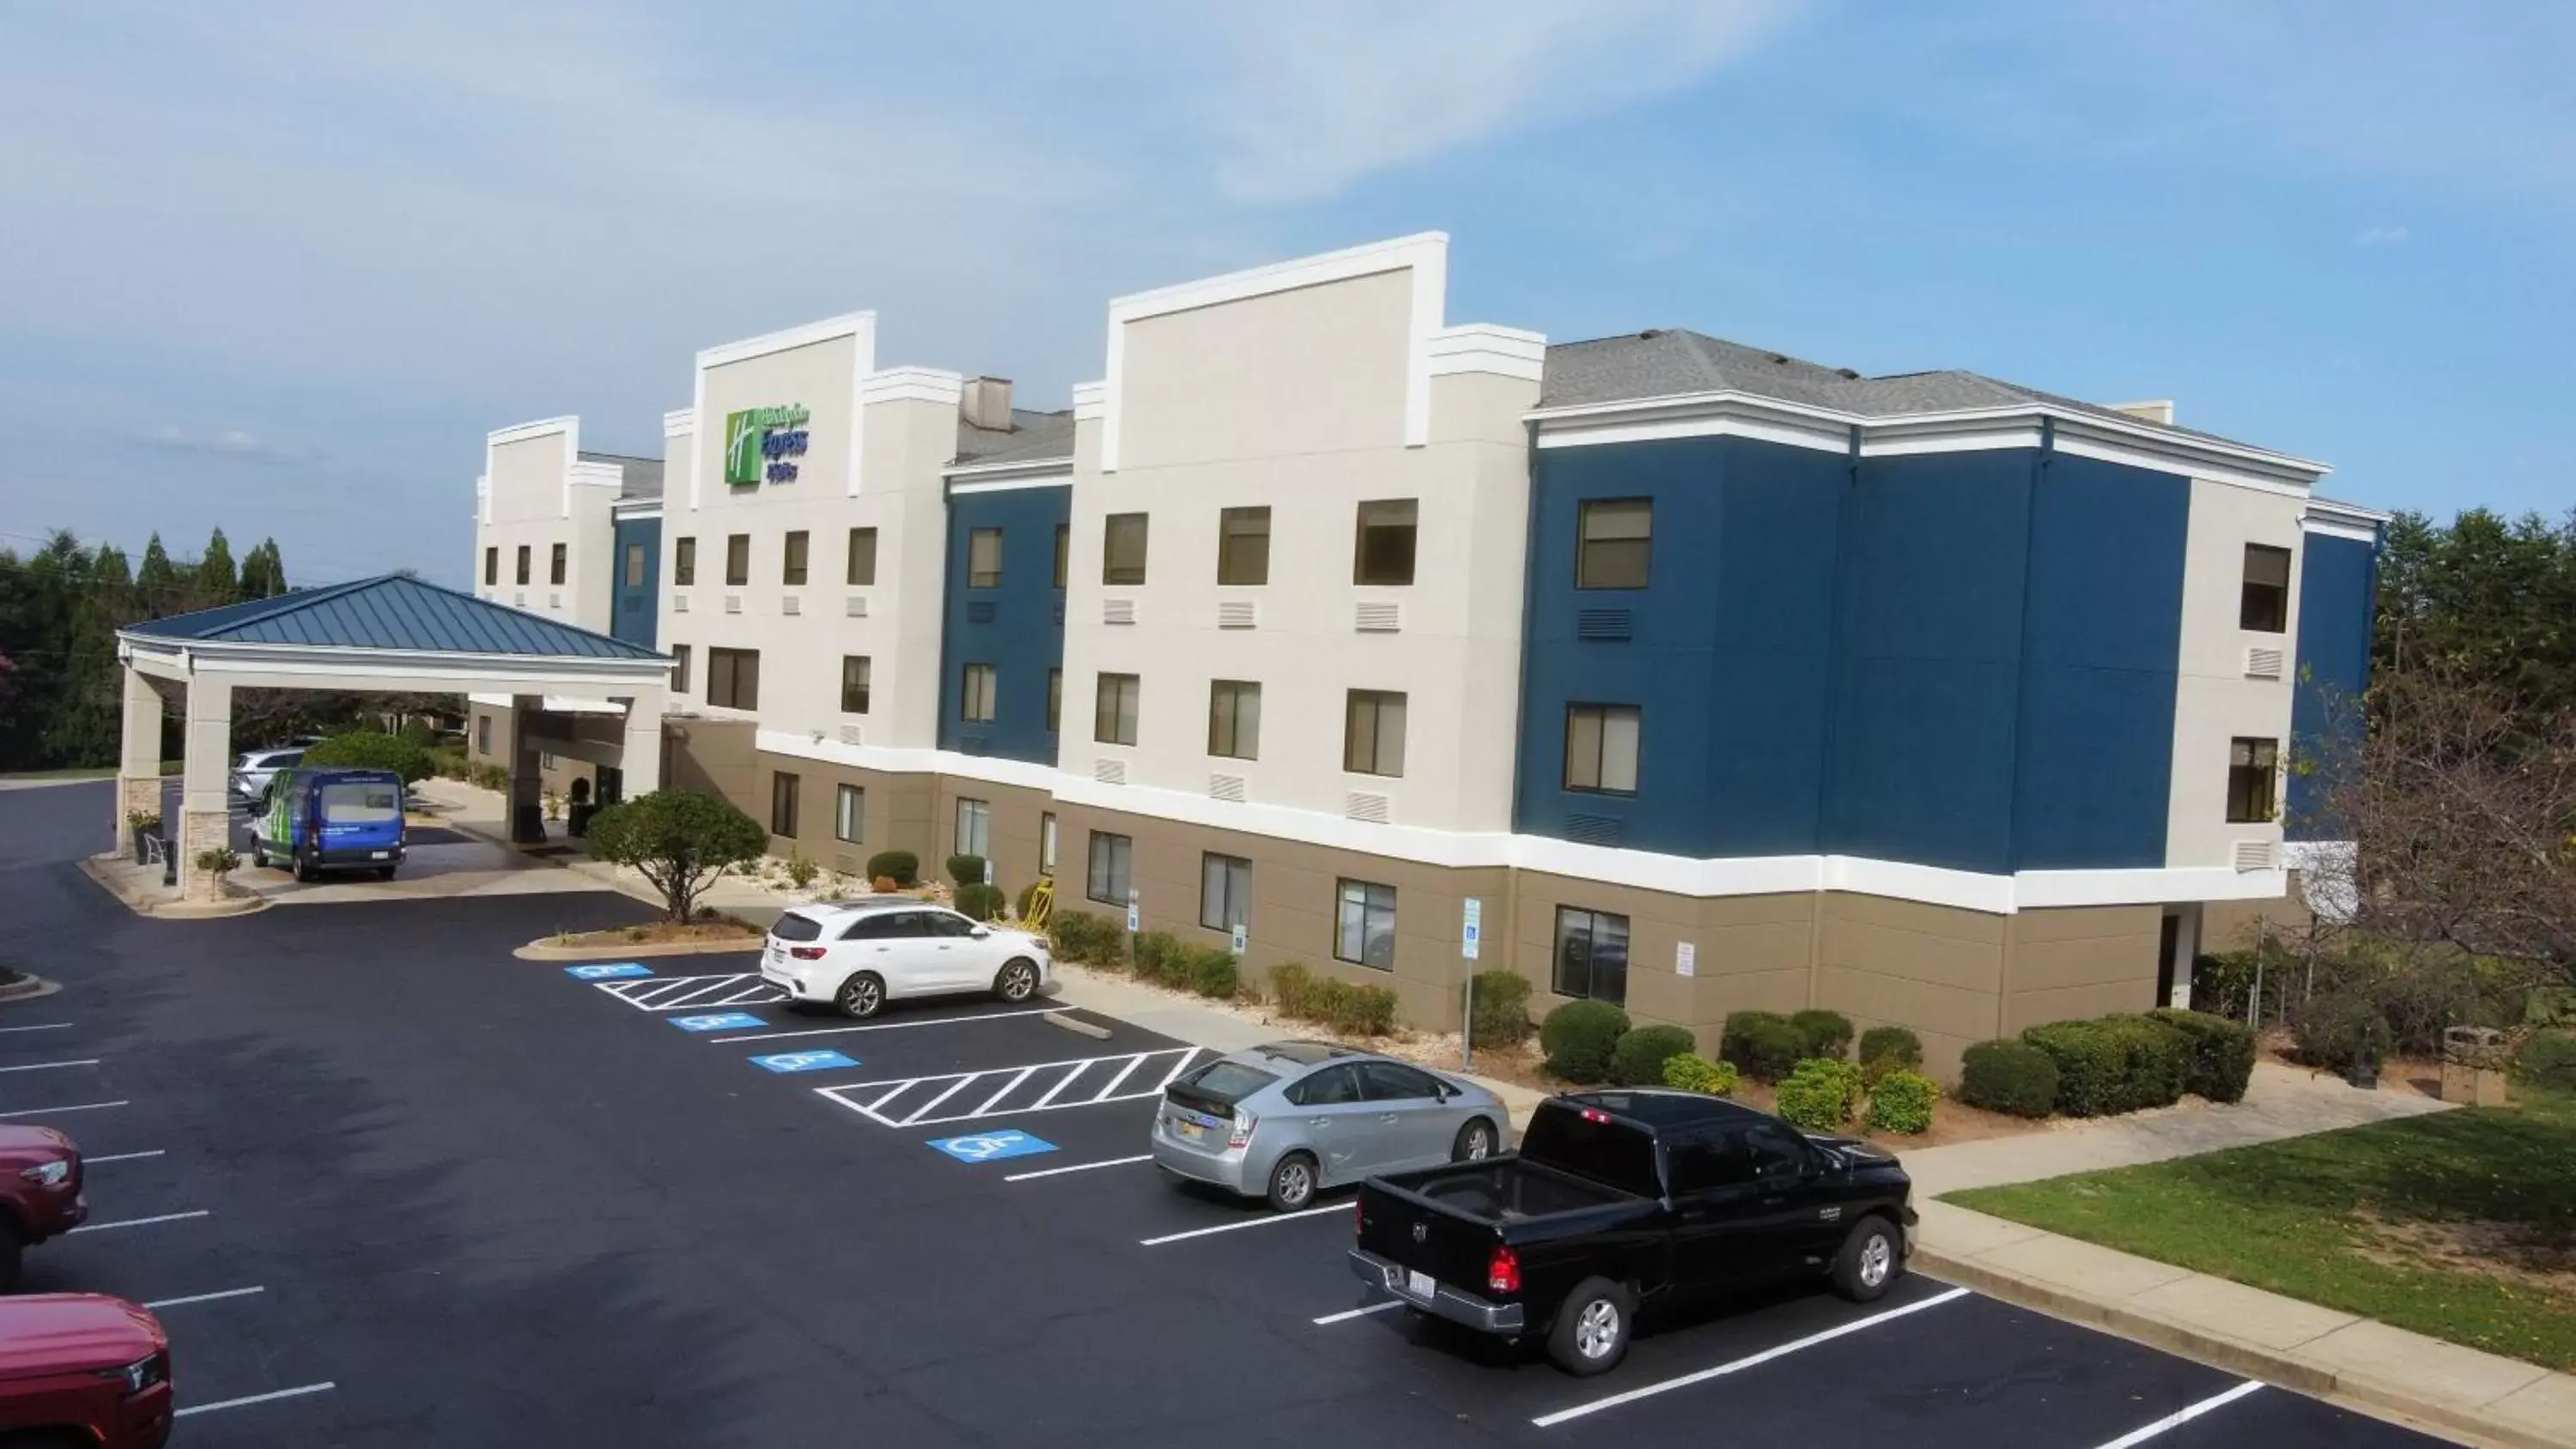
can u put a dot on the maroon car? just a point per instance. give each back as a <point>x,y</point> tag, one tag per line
<point>83,1368</point>
<point>40,1193</point>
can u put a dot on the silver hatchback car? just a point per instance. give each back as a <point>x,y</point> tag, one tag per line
<point>1285,1120</point>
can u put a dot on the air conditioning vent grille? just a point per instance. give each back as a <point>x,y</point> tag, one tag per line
<point>679,603</point>
<point>1109,772</point>
<point>1378,618</point>
<point>2253,855</point>
<point>733,603</point>
<point>2263,663</point>
<point>1593,829</point>
<point>1370,808</point>
<point>1604,623</point>
<point>791,604</point>
<point>1118,611</point>
<point>554,601</point>
<point>1236,614</point>
<point>855,606</point>
<point>980,612</point>
<point>852,735</point>
<point>1226,787</point>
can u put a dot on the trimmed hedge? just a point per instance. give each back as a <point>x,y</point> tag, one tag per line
<point>979,900</point>
<point>1501,1009</point>
<point>2008,1076</point>
<point>1291,985</point>
<point>966,869</point>
<point>1638,1059</point>
<point>902,865</point>
<point>369,750</point>
<point>1902,1102</point>
<point>1356,1010</point>
<point>2222,1052</point>
<point>1082,936</point>
<point>1215,974</point>
<point>1692,1072</point>
<point>1579,1037</point>
<point>1828,1034</point>
<point>2115,1064</point>
<point>1761,1044</point>
<point>2548,1059</point>
<point>1888,1049</point>
<point>1819,1094</point>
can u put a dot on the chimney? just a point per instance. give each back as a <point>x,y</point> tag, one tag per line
<point>2159,411</point>
<point>986,403</point>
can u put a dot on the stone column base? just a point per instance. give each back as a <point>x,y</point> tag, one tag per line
<point>135,795</point>
<point>200,830</point>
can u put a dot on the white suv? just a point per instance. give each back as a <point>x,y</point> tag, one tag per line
<point>858,955</point>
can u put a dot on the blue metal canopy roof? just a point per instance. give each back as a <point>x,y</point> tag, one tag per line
<point>391,611</point>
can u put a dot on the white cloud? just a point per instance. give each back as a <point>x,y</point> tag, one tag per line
<point>2383,236</point>
<point>228,443</point>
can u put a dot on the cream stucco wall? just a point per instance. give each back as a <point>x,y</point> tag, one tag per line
<point>535,493</point>
<point>2214,700</point>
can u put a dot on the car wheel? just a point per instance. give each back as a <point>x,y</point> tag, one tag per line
<point>861,997</point>
<point>1292,1183</point>
<point>1592,1329</point>
<point>308,867</point>
<point>1018,981</point>
<point>259,855</point>
<point>1475,1142</point>
<point>1871,1261</point>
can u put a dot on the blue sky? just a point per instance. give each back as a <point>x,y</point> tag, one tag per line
<point>280,266</point>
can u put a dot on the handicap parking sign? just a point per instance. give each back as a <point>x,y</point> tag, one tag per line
<point>992,1146</point>
<point>609,971</point>
<point>716,1021</point>
<point>803,1061</point>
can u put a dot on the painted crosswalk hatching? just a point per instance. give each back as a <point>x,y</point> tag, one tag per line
<point>998,1091</point>
<point>696,993</point>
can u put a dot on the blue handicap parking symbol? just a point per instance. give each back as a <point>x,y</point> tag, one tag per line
<point>717,1021</point>
<point>992,1146</point>
<point>803,1061</point>
<point>610,971</point>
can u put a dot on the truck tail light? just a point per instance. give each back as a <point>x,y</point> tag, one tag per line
<point>1503,1272</point>
<point>806,953</point>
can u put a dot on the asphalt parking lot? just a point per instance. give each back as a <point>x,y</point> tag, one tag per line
<point>489,1201</point>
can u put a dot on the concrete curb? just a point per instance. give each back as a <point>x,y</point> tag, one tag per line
<point>546,950</point>
<point>1076,1025</point>
<point>30,989</point>
<point>242,905</point>
<point>2249,1360</point>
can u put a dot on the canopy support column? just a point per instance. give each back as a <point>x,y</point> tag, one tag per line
<point>138,764</point>
<point>205,813</point>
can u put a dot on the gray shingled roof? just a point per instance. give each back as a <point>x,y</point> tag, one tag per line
<point>1033,437</point>
<point>1672,362</point>
<point>390,611</point>
<point>640,477</point>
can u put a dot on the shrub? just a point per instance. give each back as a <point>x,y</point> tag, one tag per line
<point>966,869</point>
<point>1819,1094</point>
<point>369,751</point>
<point>2008,1076</point>
<point>1356,1010</point>
<point>902,865</point>
<point>1761,1044</point>
<point>1692,1072</point>
<point>1578,1038</point>
<point>218,861</point>
<point>801,871</point>
<point>1902,1102</point>
<point>1153,948</point>
<point>1082,936</point>
<point>2548,1059</point>
<point>979,900</point>
<point>448,762</point>
<point>2340,1029</point>
<point>1638,1058</point>
<point>1291,986</point>
<point>1501,1009</point>
<point>2115,1064</point>
<point>1827,1033</point>
<point>1215,974</point>
<point>1888,1049</point>
<point>679,839</point>
<point>489,776</point>
<point>2222,1052</point>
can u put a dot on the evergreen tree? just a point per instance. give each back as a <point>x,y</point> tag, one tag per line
<point>263,574</point>
<point>217,583</point>
<point>87,722</point>
<point>156,583</point>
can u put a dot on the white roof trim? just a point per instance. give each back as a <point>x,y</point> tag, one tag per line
<point>848,324</point>
<point>912,384</point>
<point>1016,467</point>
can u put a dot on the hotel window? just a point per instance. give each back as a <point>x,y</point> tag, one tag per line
<point>1373,733</point>
<point>1122,549</point>
<point>737,559</point>
<point>555,565</point>
<point>782,804</point>
<point>1063,551</point>
<point>975,695</point>
<point>1225,892</point>
<point>483,735</point>
<point>1046,844</point>
<point>791,566</point>
<point>1364,924</point>
<point>974,827</point>
<point>1112,861</point>
<point>1113,715</point>
<point>733,678</point>
<point>1601,748</point>
<point>523,563</point>
<point>2264,605</point>
<point>1243,546</point>
<point>2253,766</point>
<point>1234,719</point>
<point>491,565</point>
<point>634,565</point>
<point>849,813</point>
<point>983,558</point>
<point>1591,955</point>
<point>684,562</point>
<point>680,669</point>
<point>863,557</point>
<point>1055,700</point>
<point>1384,550</point>
<point>1615,536</point>
<point>854,683</point>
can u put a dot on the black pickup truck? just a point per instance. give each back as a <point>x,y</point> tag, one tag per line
<point>1621,1198</point>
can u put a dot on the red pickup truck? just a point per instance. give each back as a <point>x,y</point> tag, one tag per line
<point>40,1193</point>
<point>83,1368</point>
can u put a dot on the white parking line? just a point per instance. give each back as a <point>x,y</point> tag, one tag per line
<point>884,1025</point>
<point>671,993</point>
<point>143,1222</point>
<point>1348,1315</point>
<point>57,1111</point>
<point>48,1026</point>
<point>49,1066</point>
<point>203,1297</point>
<point>878,1101</point>
<point>1546,1421</point>
<point>2181,1417</point>
<point>1261,1222</point>
<point>295,1393</point>
<point>122,1157</point>
<point>1079,1167</point>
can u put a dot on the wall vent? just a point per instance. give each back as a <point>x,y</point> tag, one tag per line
<point>1236,614</point>
<point>733,603</point>
<point>1118,611</point>
<point>1377,618</point>
<point>980,612</point>
<point>791,604</point>
<point>1109,772</point>
<point>851,735</point>
<point>1226,787</point>
<point>1059,610</point>
<point>1363,806</point>
<point>2253,855</point>
<point>519,600</point>
<point>855,606</point>
<point>679,603</point>
<point>554,601</point>
<point>2263,663</point>
<point>1593,829</point>
<point>1604,623</point>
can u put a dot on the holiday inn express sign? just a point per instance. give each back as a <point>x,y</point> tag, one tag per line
<point>763,443</point>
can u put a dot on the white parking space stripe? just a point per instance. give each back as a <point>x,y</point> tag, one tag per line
<point>1261,1222</point>
<point>878,1101</point>
<point>1063,1082</point>
<point>57,1111</point>
<point>953,1089</point>
<point>49,1066</point>
<point>295,1393</point>
<point>987,1104</point>
<point>143,1222</point>
<point>1079,1167</point>
<point>1348,1315</point>
<point>203,1297</point>
<point>886,1025</point>
<point>670,993</point>
<point>122,1157</point>
<point>2181,1417</point>
<point>47,1026</point>
<point>1132,1064</point>
<point>1546,1421</point>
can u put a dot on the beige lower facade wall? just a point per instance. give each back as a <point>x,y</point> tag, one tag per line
<point>556,772</point>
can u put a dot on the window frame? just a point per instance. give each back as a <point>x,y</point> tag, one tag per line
<point>1117,700</point>
<point>727,664</point>
<point>981,813</point>
<point>865,673</point>
<point>1063,553</point>
<point>1376,701</point>
<point>785,792</point>
<point>1591,933</point>
<point>635,554</point>
<point>1112,575</point>
<point>977,683</point>
<point>2263,763</point>
<point>849,813</point>
<point>558,563</point>
<point>1233,904</point>
<point>525,565</point>
<point>737,572</point>
<point>1602,715</point>
<point>859,561</point>
<point>1055,701</point>
<point>680,669</point>
<point>1584,542</point>
<point>1046,843</point>
<point>977,575</point>
<point>1121,875</point>
<point>1227,735</point>
<point>1364,563</point>
<point>684,562</point>
<point>795,552</point>
<point>491,565</point>
<point>2249,612</point>
<point>1227,535</point>
<point>1368,909</point>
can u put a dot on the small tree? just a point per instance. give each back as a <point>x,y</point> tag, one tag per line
<point>366,750</point>
<point>681,840</point>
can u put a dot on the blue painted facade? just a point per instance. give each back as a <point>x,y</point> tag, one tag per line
<point>1953,659</point>
<point>633,608</point>
<point>2338,597</point>
<point>1017,627</point>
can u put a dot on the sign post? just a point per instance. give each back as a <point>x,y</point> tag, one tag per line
<point>1131,928</point>
<point>1471,934</point>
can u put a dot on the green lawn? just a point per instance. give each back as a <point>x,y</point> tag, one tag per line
<point>2461,1225</point>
